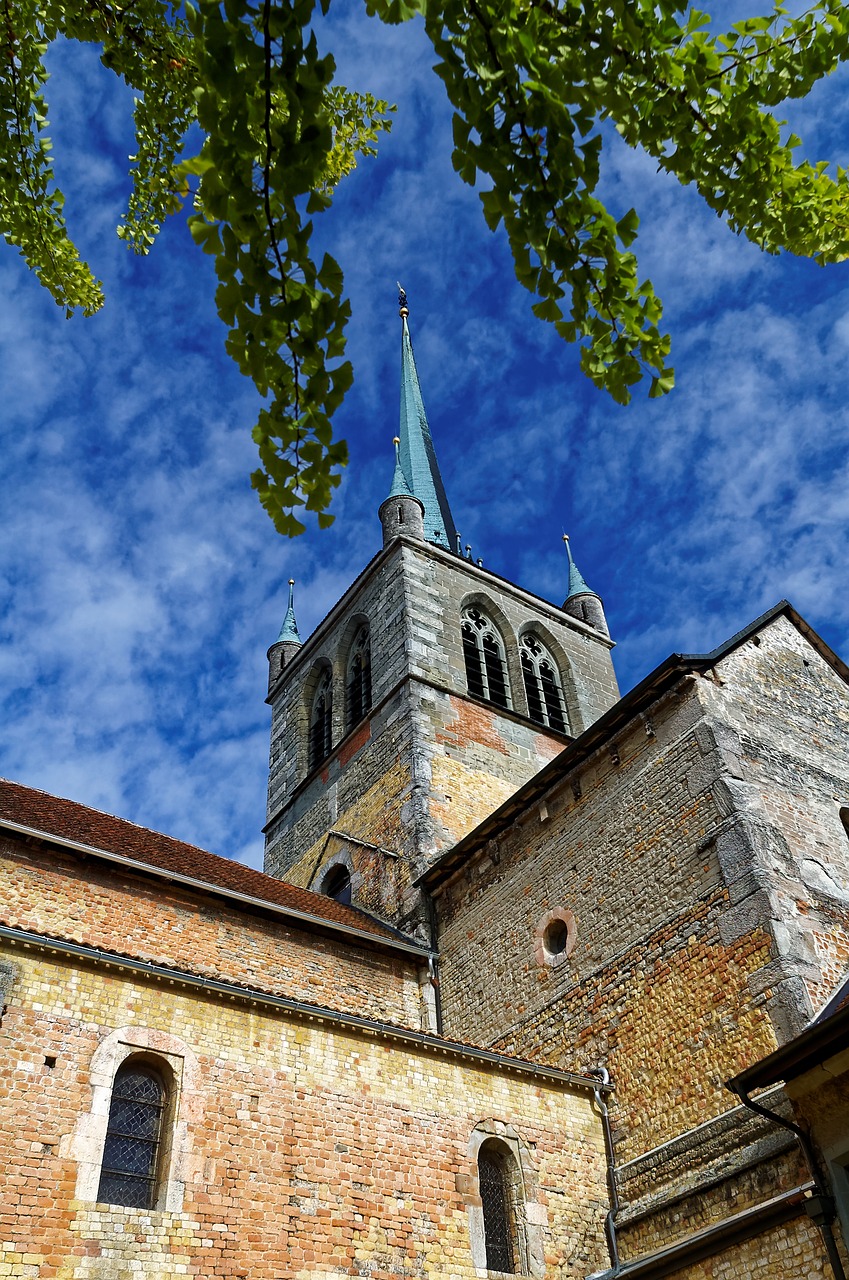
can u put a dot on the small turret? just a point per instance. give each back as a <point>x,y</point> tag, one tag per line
<point>287,643</point>
<point>581,602</point>
<point>401,512</point>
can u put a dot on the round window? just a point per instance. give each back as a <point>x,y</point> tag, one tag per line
<point>556,938</point>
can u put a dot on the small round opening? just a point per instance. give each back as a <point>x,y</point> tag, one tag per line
<point>337,884</point>
<point>556,938</point>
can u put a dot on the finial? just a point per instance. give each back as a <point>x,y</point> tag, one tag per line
<point>403,309</point>
<point>289,630</point>
<point>567,546</point>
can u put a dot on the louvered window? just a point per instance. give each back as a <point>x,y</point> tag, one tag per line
<point>359,678</point>
<point>128,1173</point>
<point>544,691</point>
<point>321,722</point>
<point>483,652</point>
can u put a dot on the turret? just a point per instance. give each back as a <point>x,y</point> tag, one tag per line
<point>287,643</point>
<point>401,512</point>
<point>581,602</point>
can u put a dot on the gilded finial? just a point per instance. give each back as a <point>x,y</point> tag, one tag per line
<point>403,309</point>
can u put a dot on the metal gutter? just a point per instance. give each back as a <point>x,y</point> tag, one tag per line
<point>191,882</point>
<point>298,1008</point>
<point>707,1243</point>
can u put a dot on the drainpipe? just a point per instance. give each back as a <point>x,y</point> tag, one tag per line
<point>820,1206</point>
<point>433,956</point>
<point>613,1195</point>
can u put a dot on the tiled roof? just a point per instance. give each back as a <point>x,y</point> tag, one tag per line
<point>65,820</point>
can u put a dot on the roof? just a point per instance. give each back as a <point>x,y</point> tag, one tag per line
<point>27,811</point>
<point>417,455</point>
<point>826,1036</point>
<point>664,677</point>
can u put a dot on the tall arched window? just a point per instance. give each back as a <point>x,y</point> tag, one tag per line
<point>502,1202</point>
<point>321,721</point>
<point>131,1156</point>
<point>546,704</point>
<point>359,678</point>
<point>483,651</point>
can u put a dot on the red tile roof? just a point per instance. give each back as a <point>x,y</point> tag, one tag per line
<point>65,820</point>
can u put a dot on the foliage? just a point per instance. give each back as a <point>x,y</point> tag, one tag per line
<point>532,83</point>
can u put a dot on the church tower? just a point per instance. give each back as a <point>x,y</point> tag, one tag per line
<point>427,696</point>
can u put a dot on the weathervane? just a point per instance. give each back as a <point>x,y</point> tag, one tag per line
<point>403,309</point>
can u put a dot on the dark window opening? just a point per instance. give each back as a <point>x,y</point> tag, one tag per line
<point>359,679</point>
<point>321,723</point>
<point>543,690</point>
<point>133,1136</point>
<point>556,937</point>
<point>483,654</point>
<point>501,1201</point>
<point>337,884</point>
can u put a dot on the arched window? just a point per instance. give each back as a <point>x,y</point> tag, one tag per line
<point>502,1202</point>
<point>546,704</point>
<point>321,721</point>
<point>337,884</point>
<point>359,678</point>
<point>128,1174</point>
<point>483,651</point>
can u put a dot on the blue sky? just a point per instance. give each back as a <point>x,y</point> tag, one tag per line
<point>140,581</point>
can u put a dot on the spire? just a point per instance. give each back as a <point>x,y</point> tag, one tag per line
<point>581,601</point>
<point>400,487</point>
<point>416,456</point>
<point>577,585</point>
<point>289,630</point>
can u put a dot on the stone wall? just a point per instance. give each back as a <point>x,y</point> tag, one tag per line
<point>695,857</point>
<point>429,762</point>
<point>60,895</point>
<point>293,1147</point>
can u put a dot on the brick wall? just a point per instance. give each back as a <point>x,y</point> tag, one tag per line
<point>303,1148</point>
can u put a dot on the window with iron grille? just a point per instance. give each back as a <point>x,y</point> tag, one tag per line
<point>546,704</point>
<point>502,1205</point>
<point>483,652</point>
<point>321,722</point>
<point>359,678</point>
<point>128,1173</point>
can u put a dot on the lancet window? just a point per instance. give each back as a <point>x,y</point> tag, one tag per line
<point>483,651</point>
<point>321,721</point>
<point>546,704</point>
<point>359,678</point>
<point>131,1155</point>
<point>502,1202</point>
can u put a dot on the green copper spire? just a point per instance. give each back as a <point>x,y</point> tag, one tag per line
<point>289,630</point>
<point>416,455</point>
<point>577,585</point>
<point>400,487</point>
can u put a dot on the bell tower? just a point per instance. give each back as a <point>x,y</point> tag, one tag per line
<point>431,691</point>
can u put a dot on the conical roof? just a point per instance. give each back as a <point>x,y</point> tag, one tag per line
<point>416,458</point>
<point>289,629</point>
<point>577,585</point>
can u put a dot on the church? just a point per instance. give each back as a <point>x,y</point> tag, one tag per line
<point>539,980</point>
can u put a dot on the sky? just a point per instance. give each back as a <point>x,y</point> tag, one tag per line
<point>140,581</point>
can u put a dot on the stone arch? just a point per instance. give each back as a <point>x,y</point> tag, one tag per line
<point>504,634</point>
<point>566,670</point>
<point>173,1058</point>
<point>530,1215</point>
<point>320,682</point>
<point>356,625</point>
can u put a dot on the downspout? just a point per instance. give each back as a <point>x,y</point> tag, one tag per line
<point>613,1195</point>
<point>433,957</point>
<point>820,1206</point>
